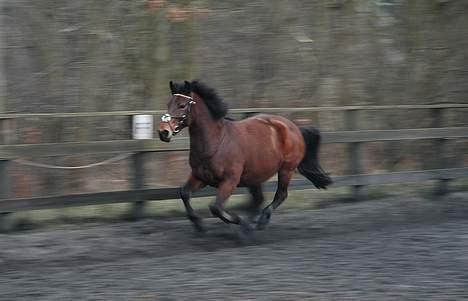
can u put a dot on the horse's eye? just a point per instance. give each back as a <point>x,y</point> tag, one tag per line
<point>181,106</point>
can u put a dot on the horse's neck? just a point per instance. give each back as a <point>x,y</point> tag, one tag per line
<point>205,135</point>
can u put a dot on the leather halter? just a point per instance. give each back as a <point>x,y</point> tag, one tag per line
<point>166,118</point>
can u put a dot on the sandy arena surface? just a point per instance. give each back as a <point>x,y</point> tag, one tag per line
<point>404,248</point>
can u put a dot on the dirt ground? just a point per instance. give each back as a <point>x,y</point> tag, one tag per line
<point>400,248</point>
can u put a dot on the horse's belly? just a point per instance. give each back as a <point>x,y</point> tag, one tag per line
<point>258,172</point>
<point>207,176</point>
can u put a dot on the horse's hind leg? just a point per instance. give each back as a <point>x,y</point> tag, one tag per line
<point>284,177</point>
<point>192,185</point>
<point>257,200</point>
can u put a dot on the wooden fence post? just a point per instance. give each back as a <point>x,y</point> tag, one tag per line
<point>440,151</point>
<point>5,192</point>
<point>7,178</point>
<point>138,184</point>
<point>5,187</point>
<point>356,155</point>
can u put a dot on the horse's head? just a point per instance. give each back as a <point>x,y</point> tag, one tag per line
<point>179,111</point>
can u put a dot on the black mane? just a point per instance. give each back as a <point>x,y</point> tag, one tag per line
<point>217,107</point>
<point>213,101</point>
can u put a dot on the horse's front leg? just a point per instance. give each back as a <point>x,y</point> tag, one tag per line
<point>225,190</point>
<point>192,185</point>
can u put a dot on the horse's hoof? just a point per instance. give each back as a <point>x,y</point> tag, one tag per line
<point>254,217</point>
<point>264,218</point>
<point>246,227</point>
<point>199,227</point>
<point>246,232</point>
<point>198,224</point>
<point>214,210</point>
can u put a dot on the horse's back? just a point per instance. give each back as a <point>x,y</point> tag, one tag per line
<point>281,132</point>
<point>268,143</point>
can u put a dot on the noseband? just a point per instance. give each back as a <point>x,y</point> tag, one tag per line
<point>182,120</point>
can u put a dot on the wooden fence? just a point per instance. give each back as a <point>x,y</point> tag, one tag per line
<point>358,179</point>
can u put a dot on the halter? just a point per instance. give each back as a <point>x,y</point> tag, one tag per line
<point>166,118</point>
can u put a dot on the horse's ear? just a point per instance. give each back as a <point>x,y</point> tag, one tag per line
<point>188,86</point>
<point>171,85</point>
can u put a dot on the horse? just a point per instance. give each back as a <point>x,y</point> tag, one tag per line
<point>226,154</point>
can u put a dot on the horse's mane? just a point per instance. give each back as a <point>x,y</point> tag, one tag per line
<point>213,101</point>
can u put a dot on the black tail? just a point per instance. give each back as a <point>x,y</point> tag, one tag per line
<point>310,167</point>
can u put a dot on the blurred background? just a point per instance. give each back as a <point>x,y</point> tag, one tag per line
<point>73,72</point>
<point>118,55</point>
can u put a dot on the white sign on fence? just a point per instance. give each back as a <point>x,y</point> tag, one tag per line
<point>142,127</point>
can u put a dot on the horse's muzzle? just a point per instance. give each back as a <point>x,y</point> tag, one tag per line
<point>165,135</point>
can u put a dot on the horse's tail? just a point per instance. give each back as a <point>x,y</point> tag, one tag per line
<point>310,167</point>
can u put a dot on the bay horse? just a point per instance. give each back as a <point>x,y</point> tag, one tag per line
<point>226,154</point>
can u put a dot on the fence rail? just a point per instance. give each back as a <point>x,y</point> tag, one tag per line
<point>14,115</point>
<point>127,146</point>
<point>156,194</point>
<point>138,194</point>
